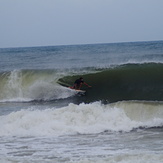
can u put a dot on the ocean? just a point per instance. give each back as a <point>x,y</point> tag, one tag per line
<point>118,120</point>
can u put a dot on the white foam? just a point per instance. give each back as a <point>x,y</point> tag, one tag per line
<point>72,119</point>
<point>130,157</point>
<point>126,158</point>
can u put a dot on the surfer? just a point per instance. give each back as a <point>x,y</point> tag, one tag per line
<point>78,83</point>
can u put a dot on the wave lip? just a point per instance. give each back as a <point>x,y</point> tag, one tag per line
<point>82,119</point>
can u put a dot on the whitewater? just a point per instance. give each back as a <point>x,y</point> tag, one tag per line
<point>119,119</point>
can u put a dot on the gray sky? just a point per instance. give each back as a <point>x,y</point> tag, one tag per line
<point>64,22</point>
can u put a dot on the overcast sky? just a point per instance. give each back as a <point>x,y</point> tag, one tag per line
<point>64,22</point>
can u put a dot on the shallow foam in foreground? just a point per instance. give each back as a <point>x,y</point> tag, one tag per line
<point>82,119</point>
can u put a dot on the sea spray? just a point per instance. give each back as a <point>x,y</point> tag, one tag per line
<point>30,85</point>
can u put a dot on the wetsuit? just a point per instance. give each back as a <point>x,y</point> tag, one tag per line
<point>77,83</point>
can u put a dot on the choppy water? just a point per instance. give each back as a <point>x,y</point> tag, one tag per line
<point>119,119</point>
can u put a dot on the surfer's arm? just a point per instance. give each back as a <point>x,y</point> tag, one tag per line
<point>87,84</point>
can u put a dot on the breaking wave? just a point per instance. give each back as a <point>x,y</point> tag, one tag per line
<point>124,82</point>
<point>29,85</point>
<point>82,119</point>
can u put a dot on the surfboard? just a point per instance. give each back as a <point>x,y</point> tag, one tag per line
<point>79,91</point>
<point>82,92</point>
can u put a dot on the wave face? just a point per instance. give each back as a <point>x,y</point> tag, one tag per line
<point>125,82</point>
<point>83,119</point>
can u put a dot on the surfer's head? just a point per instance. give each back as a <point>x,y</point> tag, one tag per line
<point>81,78</point>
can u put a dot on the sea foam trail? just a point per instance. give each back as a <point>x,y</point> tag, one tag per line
<point>83,119</point>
